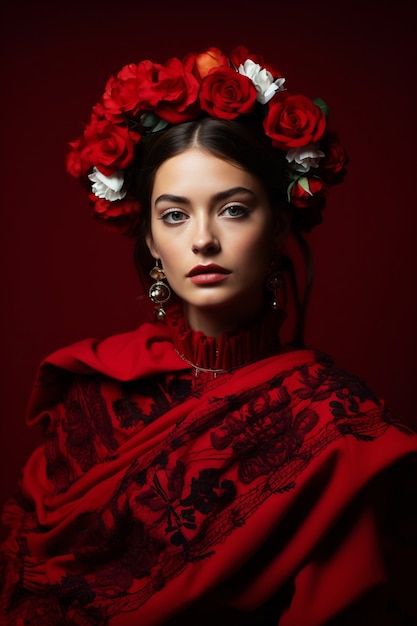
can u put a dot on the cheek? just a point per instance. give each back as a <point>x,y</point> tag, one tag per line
<point>258,253</point>
<point>171,253</point>
<point>164,245</point>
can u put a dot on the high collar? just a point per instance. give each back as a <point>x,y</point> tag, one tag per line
<point>231,350</point>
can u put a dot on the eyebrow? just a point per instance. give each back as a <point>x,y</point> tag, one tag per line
<point>218,197</point>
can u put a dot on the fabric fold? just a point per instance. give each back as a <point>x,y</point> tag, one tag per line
<point>153,494</point>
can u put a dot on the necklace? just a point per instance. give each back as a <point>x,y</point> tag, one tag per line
<point>198,369</point>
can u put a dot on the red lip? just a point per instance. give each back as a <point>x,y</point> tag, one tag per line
<point>207,269</point>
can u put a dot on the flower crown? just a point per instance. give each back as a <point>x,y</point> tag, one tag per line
<point>148,97</point>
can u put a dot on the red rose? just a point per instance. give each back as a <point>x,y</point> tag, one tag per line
<point>170,90</point>
<point>308,208</point>
<point>305,192</point>
<point>178,89</point>
<point>120,216</point>
<point>240,54</point>
<point>148,84</point>
<point>201,64</point>
<point>109,147</point>
<point>225,93</point>
<point>100,112</point>
<point>122,94</point>
<point>294,121</point>
<point>332,167</point>
<point>76,162</point>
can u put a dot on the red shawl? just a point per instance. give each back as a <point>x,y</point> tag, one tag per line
<point>158,497</point>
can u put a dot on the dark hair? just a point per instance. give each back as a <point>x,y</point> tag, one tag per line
<point>241,143</point>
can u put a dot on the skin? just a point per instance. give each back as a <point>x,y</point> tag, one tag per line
<point>206,210</point>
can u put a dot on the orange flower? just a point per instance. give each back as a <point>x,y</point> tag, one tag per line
<point>204,62</point>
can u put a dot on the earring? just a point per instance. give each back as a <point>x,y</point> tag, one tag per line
<point>159,292</point>
<point>274,284</point>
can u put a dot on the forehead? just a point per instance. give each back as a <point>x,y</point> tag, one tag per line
<point>196,171</point>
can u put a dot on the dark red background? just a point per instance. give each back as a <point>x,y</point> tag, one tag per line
<point>64,278</point>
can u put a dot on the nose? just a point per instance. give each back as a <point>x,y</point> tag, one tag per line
<point>205,240</point>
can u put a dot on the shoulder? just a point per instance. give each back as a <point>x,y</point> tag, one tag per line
<point>118,355</point>
<point>143,352</point>
<point>333,397</point>
<point>318,371</point>
<point>312,378</point>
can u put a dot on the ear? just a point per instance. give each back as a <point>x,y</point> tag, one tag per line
<point>151,245</point>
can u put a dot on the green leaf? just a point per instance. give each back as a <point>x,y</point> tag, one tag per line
<point>149,119</point>
<point>290,186</point>
<point>159,126</point>
<point>303,182</point>
<point>322,106</point>
<point>152,122</point>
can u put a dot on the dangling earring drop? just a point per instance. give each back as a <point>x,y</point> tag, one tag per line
<point>159,292</point>
<point>274,284</point>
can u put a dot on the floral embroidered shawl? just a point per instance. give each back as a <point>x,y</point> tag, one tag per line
<point>158,497</point>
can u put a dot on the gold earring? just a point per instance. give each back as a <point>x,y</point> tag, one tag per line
<point>159,292</point>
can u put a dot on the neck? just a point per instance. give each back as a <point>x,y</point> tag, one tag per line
<point>235,348</point>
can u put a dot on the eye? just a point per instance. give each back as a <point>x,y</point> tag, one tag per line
<point>173,216</point>
<point>235,210</point>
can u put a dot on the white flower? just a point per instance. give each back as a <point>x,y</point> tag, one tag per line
<point>107,187</point>
<point>302,159</point>
<point>263,80</point>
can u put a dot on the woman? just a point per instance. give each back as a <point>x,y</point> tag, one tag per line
<point>196,469</point>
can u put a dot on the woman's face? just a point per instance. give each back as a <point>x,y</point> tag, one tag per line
<point>213,230</point>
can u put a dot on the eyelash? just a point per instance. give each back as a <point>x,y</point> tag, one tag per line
<point>243,212</point>
<point>164,217</point>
